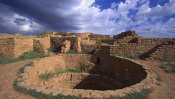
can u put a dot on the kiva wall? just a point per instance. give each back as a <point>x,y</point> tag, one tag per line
<point>123,70</point>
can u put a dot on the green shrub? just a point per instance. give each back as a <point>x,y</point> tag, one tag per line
<point>76,70</point>
<point>31,55</point>
<point>128,56</point>
<point>165,60</point>
<point>46,76</point>
<point>54,51</point>
<point>172,65</point>
<point>168,67</point>
<point>7,60</point>
<point>39,95</point>
<point>51,50</point>
<point>141,95</point>
<point>173,71</point>
<point>74,52</point>
<point>21,70</point>
<point>163,67</point>
<point>24,56</point>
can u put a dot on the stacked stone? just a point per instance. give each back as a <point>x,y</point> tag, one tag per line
<point>165,51</point>
<point>150,48</point>
<point>6,47</point>
<point>30,81</point>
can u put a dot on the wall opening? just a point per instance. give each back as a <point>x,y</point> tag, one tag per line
<point>98,61</point>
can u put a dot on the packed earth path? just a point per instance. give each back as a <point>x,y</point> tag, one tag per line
<point>8,73</point>
<point>164,89</point>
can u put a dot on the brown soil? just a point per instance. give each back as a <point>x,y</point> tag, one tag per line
<point>8,73</point>
<point>164,89</point>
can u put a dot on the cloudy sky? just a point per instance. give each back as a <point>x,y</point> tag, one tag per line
<point>150,18</point>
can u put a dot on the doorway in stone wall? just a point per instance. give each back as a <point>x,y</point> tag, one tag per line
<point>98,60</point>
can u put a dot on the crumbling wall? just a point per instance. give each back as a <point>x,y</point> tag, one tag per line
<point>125,34</point>
<point>67,34</point>
<point>57,42</point>
<point>137,46</point>
<point>88,48</point>
<point>99,36</point>
<point>13,47</point>
<point>5,35</point>
<point>165,51</point>
<point>101,58</point>
<point>65,47</point>
<point>85,36</point>
<point>7,47</point>
<point>88,42</point>
<point>48,34</point>
<point>41,45</point>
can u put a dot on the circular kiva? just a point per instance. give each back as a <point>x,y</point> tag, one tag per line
<point>87,75</point>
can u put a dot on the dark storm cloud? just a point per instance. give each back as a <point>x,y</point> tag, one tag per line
<point>35,16</point>
<point>49,13</point>
<point>3,27</point>
<point>19,21</point>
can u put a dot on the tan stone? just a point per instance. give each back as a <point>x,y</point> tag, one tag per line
<point>65,47</point>
<point>67,92</point>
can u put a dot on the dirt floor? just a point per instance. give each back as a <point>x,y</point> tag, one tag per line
<point>164,89</point>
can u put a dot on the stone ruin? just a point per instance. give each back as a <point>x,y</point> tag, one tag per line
<point>115,77</point>
<point>12,46</point>
<point>110,75</point>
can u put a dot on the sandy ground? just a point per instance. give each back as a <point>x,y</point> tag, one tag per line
<point>164,89</point>
<point>8,73</point>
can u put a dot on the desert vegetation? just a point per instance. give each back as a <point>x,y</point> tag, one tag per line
<point>168,66</point>
<point>128,56</point>
<point>144,94</point>
<point>24,56</point>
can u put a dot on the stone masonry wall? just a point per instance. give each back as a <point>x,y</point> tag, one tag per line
<point>126,71</point>
<point>22,45</point>
<point>125,34</point>
<point>56,42</point>
<point>6,47</point>
<point>165,51</point>
<point>41,45</point>
<point>88,48</point>
<point>123,70</point>
<point>138,46</point>
<point>30,80</point>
